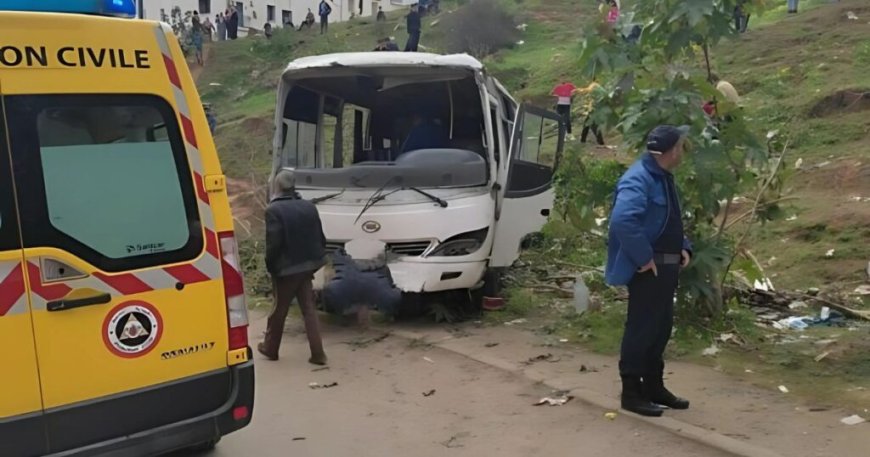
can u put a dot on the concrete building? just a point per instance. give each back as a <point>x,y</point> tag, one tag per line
<point>256,13</point>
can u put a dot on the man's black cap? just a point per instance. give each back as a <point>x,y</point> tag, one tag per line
<point>664,137</point>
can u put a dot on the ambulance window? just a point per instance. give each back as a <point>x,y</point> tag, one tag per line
<point>113,177</point>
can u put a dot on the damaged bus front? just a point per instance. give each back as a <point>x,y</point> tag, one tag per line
<point>420,165</point>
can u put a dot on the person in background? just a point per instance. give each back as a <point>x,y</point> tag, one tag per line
<point>646,251</point>
<point>382,17</point>
<point>563,93</point>
<point>309,20</point>
<point>588,102</point>
<point>613,12</point>
<point>208,28</point>
<point>295,250</point>
<point>221,27</point>
<point>233,24</point>
<point>267,30</point>
<point>210,118</point>
<point>426,133</point>
<point>414,29</point>
<point>741,17</point>
<point>792,6</point>
<point>386,44</point>
<point>196,31</point>
<point>324,10</point>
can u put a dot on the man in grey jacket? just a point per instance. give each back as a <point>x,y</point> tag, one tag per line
<point>295,250</point>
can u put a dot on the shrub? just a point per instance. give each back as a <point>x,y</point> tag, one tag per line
<point>480,28</point>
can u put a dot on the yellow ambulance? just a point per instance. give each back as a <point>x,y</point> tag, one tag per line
<point>123,323</point>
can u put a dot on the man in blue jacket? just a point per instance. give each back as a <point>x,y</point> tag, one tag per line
<point>646,250</point>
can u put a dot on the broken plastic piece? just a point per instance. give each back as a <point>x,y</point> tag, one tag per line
<point>783,389</point>
<point>610,416</point>
<point>554,401</point>
<point>853,420</point>
<point>711,351</point>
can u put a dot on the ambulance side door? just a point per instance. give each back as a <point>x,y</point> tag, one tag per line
<point>528,195</point>
<point>21,417</point>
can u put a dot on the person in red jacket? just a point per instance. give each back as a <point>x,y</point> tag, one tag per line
<point>564,93</point>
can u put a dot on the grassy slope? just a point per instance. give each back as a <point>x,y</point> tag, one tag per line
<point>784,70</point>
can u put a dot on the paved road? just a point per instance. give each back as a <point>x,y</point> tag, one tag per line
<point>378,409</point>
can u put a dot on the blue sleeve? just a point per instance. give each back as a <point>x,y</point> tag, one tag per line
<point>687,245</point>
<point>626,222</point>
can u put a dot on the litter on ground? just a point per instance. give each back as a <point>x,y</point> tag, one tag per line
<point>555,400</point>
<point>783,389</point>
<point>711,351</point>
<point>853,420</point>
<point>610,416</point>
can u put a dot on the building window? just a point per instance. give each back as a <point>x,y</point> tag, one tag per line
<point>204,6</point>
<point>270,13</point>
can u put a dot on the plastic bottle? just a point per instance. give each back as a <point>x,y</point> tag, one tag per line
<point>581,295</point>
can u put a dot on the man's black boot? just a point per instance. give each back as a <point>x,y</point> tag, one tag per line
<point>654,391</point>
<point>633,399</point>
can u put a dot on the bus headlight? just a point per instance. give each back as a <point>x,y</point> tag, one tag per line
<point>462,244</point>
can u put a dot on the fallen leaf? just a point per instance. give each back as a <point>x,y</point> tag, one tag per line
<point>429,394</point>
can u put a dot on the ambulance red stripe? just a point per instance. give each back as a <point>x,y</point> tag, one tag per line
<point>187,274</point>
<point>11,289</point>
<point>126,284</point>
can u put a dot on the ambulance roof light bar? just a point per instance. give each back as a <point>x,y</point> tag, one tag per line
<point>117,8</point>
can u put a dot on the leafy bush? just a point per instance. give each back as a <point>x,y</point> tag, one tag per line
<point>480,28</point>
<point>656,80</point>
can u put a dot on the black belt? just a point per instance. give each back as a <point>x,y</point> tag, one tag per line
<point>667,259</point>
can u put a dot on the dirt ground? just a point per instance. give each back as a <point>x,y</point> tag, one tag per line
<point>378,408</point>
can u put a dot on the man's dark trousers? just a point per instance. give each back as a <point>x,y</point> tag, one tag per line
<point>650,320</point>
<point>413,41</point>
<point>324,24</point>
<point>565,112</point>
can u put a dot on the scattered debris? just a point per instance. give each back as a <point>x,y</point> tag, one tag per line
<point>428,360</point>
<point>798,163</point>
<point>797,305</point>
<point>429,393</point>
<point>453,442</point>
<point>711,351</point>
<point>589,369</point>
<point>610,416</point>
<point>791,218</point>
<point>521,42</point>
<point>516,321</point>
<point>555,400</point>
<point>853,420</point>
<point>863,289</point>
<point>851,16</point>
<point>366,342</point>
<point>830,253</point>
<point>299,438</point>
<point>542,358</point>
<point>748,371</point>
<point>522,27</point>
<point>314,385</point>
<point>818,409</point>
<point>783,389</point>
<point>813,291</point>
<point>490,345</point>
<point>563,340</point>
<point>214,84</point>
<point>320,369</point>
<point>822,356</point>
